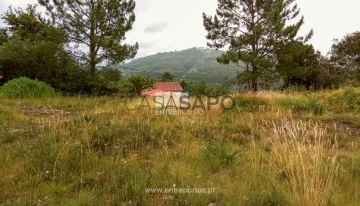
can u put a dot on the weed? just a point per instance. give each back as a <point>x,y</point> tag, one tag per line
<point>217,156</point>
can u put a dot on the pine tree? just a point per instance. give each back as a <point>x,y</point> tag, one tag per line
<point>100,25</point>
<point>252,30</point>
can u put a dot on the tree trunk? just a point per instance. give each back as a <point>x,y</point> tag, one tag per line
<point>92,40</point>
<point>254,81</point>
<point>92,60</point>
<point>254,85</point>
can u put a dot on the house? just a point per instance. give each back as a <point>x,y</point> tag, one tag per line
<point>165,93</point>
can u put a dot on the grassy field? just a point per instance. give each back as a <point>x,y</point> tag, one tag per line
<point>281,148</point>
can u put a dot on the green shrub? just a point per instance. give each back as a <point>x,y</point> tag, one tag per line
<point>24,87</point>
<point>217,90</point>
<point>196,88</point>
<point>302,105</point>
<point>205,89</point>
<point>250,104</point>
<point>139,83</point>
<point>348,100</point>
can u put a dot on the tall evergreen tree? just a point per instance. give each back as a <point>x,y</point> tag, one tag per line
<point>252,30</point>
<point>100,25</point>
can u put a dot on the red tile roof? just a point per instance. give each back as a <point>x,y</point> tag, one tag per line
<point>168,86</point>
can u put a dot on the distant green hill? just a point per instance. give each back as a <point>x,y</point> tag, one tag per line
<point>196,64</point>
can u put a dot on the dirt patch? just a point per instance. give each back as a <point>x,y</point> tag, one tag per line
<point>46,114</point>
<point>40,111</point>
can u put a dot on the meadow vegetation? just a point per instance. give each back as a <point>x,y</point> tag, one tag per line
<point>274,148</point>
<point>290,147</point>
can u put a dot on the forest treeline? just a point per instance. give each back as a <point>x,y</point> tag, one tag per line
<point>68,47</point>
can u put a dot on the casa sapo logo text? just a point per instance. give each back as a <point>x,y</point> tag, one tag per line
<point>183,103</point>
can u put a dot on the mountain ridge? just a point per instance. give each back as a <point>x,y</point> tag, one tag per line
<point>194,64</point>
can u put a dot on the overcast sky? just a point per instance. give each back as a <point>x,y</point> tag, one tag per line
<point>168,25</point>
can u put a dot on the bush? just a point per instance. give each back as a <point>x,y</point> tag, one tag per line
<point>80,81</point>
<point>24,87</point>
<point>196,88</point>
<point>348,100</point>
<point>138,83</point>
<point>205,89</point>
<point>303,105</point>
<point>216,91</point>
<point>250,104</point>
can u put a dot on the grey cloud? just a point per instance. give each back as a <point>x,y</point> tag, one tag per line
<point>143,53</point>
<point>157,27</point>
<point>146,45</point>
<point>152,50</point>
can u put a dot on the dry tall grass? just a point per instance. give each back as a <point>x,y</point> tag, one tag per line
<point>305,161</point>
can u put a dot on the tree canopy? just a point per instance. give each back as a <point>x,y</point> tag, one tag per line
<point>253,30</point>
<point>297,63</point>
<point>31,46</point>
<point>345,54</point>
<point>99,25</point>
